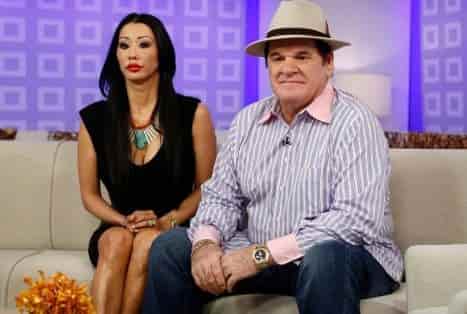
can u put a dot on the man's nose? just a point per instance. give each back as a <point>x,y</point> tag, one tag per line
<point>289,66</point>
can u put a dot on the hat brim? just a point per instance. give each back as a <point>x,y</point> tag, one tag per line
<point>256,48</point>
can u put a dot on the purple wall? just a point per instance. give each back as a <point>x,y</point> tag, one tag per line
<point>443,38</point>
<point>51,53</point>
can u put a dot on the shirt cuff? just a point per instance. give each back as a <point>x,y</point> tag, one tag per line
<point>206,232</point>
<point>284,249</point>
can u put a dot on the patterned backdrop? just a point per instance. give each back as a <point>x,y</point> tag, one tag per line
<point>51,53</point>
<point>444,65</point>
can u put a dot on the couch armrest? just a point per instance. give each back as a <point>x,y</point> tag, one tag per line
<point>458,304</point>
<point>435,273</point>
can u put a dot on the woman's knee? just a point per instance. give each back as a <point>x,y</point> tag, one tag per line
<point>115,245</point>
<point>141,247</point>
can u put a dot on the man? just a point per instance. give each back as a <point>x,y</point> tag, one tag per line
<point>298,201</point>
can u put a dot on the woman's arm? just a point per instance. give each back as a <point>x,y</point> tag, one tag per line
<point>204,145</point>
<point>89,182</point>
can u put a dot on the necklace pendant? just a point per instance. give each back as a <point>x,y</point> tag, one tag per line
<point>140,140</point>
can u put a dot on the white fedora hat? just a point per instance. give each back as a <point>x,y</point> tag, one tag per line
<point>296,19</point>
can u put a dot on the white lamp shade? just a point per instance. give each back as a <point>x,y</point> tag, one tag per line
<point>374,90</point>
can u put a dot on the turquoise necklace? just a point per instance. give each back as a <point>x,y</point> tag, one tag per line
<point>143,136</point>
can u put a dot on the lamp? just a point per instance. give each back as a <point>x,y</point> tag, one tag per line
<point>374,90</point>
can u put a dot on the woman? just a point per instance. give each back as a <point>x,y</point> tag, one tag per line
<point>151,147</point>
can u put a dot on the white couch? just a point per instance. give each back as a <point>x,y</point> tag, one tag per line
<point>43,226</point>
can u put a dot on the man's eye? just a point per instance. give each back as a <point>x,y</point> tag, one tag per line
<point>123,45</point>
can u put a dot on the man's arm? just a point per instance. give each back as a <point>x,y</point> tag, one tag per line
<point>216,220</point>
<point>221,205</point>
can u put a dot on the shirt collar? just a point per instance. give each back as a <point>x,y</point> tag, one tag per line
<point>320,108</point>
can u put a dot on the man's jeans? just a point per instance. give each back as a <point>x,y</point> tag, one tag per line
<point>332,278</point>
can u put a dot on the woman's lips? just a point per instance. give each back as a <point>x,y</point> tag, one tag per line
<point>133,67</point>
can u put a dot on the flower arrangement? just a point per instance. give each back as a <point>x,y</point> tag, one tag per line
<point>57,294</point>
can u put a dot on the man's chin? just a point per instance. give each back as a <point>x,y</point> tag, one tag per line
<point>292,100</point>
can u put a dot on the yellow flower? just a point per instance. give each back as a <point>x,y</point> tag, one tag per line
<point>57,294</point>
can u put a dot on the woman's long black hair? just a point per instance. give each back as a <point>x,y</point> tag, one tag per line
<point>168,109</point>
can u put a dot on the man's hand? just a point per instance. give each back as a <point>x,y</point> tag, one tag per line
<point>207,269</point>
<point>141,219</point>
<point>238,265</point>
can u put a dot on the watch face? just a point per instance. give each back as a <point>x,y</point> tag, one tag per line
<point>260,254</point>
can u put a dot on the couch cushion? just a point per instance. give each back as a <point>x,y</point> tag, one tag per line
<point>72,263</point>
<point>458,303</point>
<point>271,304</point>
<point>435,273</point>
<point>72,225</point>
<point>252,304</point>
<point>432,310</point>
<point>8,260</point>
<point>395,303</point>
<point>428,196</point>
<point>26,173</point>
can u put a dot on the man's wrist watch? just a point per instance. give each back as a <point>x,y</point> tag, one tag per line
<point>261,257</point>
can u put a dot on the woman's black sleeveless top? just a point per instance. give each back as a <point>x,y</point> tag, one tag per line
<point>151,185</point>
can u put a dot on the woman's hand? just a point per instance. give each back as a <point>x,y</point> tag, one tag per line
<point>141,219</point>
<point>168,221</point>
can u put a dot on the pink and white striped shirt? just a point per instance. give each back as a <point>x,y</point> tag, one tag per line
<point>325,176</point>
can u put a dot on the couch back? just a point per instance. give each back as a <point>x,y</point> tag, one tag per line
<point>71,225</point>
<point>40,204</point>
<point>25,181</point>
<point>429,196</point>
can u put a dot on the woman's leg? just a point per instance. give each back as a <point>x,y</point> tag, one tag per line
<point>115,247</point>
<point>137,271</point>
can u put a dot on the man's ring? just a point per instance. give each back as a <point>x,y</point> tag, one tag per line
<point>151,222</point>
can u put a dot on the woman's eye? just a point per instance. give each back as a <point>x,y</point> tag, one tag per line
<point>123,45</point>
<point>145,44</point>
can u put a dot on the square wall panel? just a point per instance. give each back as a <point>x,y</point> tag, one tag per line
<point>13,64</point>
<point>12,30</point>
